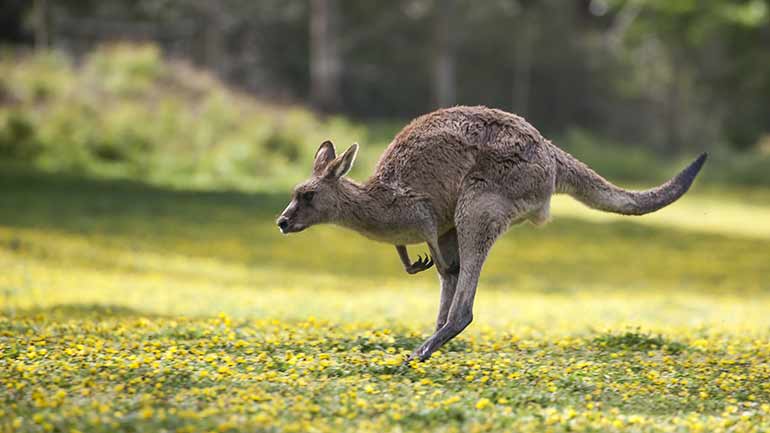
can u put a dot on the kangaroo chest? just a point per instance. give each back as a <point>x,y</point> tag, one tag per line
<point>401,217</point>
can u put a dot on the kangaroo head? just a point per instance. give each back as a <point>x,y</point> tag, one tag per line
<point>318,199</point>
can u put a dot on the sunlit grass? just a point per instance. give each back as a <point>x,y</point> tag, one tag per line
<point>126,308</point>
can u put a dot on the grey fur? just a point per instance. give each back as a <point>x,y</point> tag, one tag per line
<point>456,179</point>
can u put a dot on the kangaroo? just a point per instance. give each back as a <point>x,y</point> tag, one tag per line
<point>456,179</point>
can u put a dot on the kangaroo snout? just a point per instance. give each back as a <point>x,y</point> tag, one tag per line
<point>290,222</point>
<point>283,223</point>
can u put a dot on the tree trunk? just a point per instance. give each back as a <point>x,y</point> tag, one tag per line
<point>42,33</point>
<point>214,41</point>
<point>522,72</point>
<point>672,109</point>
<point>444,81</point>
<point>325,62</point>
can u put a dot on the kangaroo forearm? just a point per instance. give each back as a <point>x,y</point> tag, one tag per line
<point>403,255</point>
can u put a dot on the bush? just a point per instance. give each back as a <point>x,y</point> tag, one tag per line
<point>17,136</point>
<point>125,69</point>
<point>128,113</point>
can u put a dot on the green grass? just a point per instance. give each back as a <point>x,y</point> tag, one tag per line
<point>132,308</point>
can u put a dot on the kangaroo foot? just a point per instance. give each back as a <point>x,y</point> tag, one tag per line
<point>422,264</point>
<point>421,354</point>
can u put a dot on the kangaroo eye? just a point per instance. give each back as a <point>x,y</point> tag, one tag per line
<point>308,196</point>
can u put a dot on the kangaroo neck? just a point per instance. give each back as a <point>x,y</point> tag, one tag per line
<point>365,207</point>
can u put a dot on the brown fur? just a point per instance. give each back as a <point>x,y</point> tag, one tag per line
<point>456,179</point>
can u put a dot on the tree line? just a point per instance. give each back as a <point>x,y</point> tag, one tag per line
<point>666,74</point>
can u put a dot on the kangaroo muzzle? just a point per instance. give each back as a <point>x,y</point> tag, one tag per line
<point>286,222</point>
<point>283,224</point>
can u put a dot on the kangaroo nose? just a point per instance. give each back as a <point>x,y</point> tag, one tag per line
<point>283,223</point>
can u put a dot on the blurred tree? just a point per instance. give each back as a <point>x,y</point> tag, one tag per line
<point>668,74</point>
<point>12,22</point>
<point>709,59</point>
<point>214,35</point>
<point>42,24</point>
<point>523,57</point>
<point>444,33</point>
<point>325,62</point>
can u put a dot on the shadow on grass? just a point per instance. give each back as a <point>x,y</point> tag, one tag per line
<point>238,227</point>
<point>31,198</point>
<point>78,311</point>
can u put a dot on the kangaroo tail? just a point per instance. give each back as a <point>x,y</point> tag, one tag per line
<point>578,180</point>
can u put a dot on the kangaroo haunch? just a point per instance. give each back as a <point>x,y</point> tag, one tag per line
<point>456,179</point>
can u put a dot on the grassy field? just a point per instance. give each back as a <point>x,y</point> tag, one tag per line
<point>129,308</point>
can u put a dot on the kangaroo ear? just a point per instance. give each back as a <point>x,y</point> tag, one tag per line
<point>342,165</point>
<point>323,156</point>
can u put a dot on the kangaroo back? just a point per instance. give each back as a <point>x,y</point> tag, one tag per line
<point>578,180</point>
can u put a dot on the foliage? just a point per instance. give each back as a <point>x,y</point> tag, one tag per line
<point>706,59</point>
<point>669,75</point>
<point>130,308</point>
<point>125,112</point>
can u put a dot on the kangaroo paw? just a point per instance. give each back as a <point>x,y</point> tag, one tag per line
<point>422,264</point>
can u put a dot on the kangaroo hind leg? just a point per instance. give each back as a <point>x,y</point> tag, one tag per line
<point>449,251</point>
<point>480,218</point>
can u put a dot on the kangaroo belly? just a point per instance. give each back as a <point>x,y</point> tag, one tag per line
<point>394,236</point>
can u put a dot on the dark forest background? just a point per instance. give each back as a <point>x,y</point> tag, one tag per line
<point>667,77</point>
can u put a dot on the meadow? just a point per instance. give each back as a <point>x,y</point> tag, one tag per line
<point>153,292</point>
<point>127,307</point>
